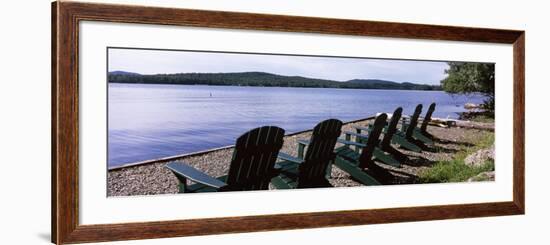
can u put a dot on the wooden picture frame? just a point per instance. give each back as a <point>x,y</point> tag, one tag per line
<point>65,121</point>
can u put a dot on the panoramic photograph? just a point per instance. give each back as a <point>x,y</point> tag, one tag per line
<point>188,121</point>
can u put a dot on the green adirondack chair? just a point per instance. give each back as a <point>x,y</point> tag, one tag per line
<point>389,132</point>
<point>404,137</point>
<point>251,168</point>
<point>354,163</point>
<point>417,135</point>
<point>421,133</point>
<point>311,170</point>
<point>378,153</point>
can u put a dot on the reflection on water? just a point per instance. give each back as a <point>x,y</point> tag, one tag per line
<point>152,121</point>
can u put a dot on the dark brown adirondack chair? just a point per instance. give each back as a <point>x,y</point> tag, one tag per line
<point>355,163</point>
<point>310,171</point>
<point>252,164</point>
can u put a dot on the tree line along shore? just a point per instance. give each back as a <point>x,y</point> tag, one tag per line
<point>260,79</point>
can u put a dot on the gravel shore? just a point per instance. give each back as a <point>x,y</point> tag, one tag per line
<point>153,178</point>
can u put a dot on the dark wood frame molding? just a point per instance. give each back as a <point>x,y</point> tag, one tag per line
<point>65,121</point>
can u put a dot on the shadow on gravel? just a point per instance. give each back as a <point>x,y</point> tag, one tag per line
<point>448,142</point>
<point>440,149</point>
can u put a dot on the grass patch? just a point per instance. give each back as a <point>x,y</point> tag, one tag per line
<point>483,119</point>
<point>456,170</point>
<point>453,171</point>
<point>479,139</point>
<point>475,116</point>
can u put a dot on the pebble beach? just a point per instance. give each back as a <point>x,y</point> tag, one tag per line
<point>153,178</point>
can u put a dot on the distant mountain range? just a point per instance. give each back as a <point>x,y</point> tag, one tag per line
<point>261,79</point>
<point>124,73</point>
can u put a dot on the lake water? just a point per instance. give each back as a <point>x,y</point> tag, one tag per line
<point>153,121</point>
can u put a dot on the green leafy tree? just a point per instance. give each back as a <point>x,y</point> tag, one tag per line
<point>468,78</point>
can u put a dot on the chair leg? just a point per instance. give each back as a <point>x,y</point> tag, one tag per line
<point>182,186</point>
<point>328,173</point>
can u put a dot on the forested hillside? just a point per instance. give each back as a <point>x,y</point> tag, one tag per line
<point>260,79</point>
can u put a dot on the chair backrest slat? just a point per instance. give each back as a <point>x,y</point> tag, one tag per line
<point>428,117</point>
<point>414,121</point>
<point>392,127</point>
<point>252,165</point>
<point>373,139</point>
<point>319,153</point>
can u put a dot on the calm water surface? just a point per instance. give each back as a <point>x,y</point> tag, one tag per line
<point>152,121</point>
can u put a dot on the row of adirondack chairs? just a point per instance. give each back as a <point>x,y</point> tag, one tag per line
<point>257,160</point>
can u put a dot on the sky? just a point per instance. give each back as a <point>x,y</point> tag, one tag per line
<point>332,68</point>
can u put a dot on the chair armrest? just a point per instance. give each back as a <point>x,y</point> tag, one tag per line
<point>289,158</point>
<point>301,146</point>
<point>363,136</point>
<point>346,142</point>
<point>195,175</point>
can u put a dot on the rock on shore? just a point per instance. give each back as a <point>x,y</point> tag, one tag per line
<point>485,176</point>
<point>480,157</point>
